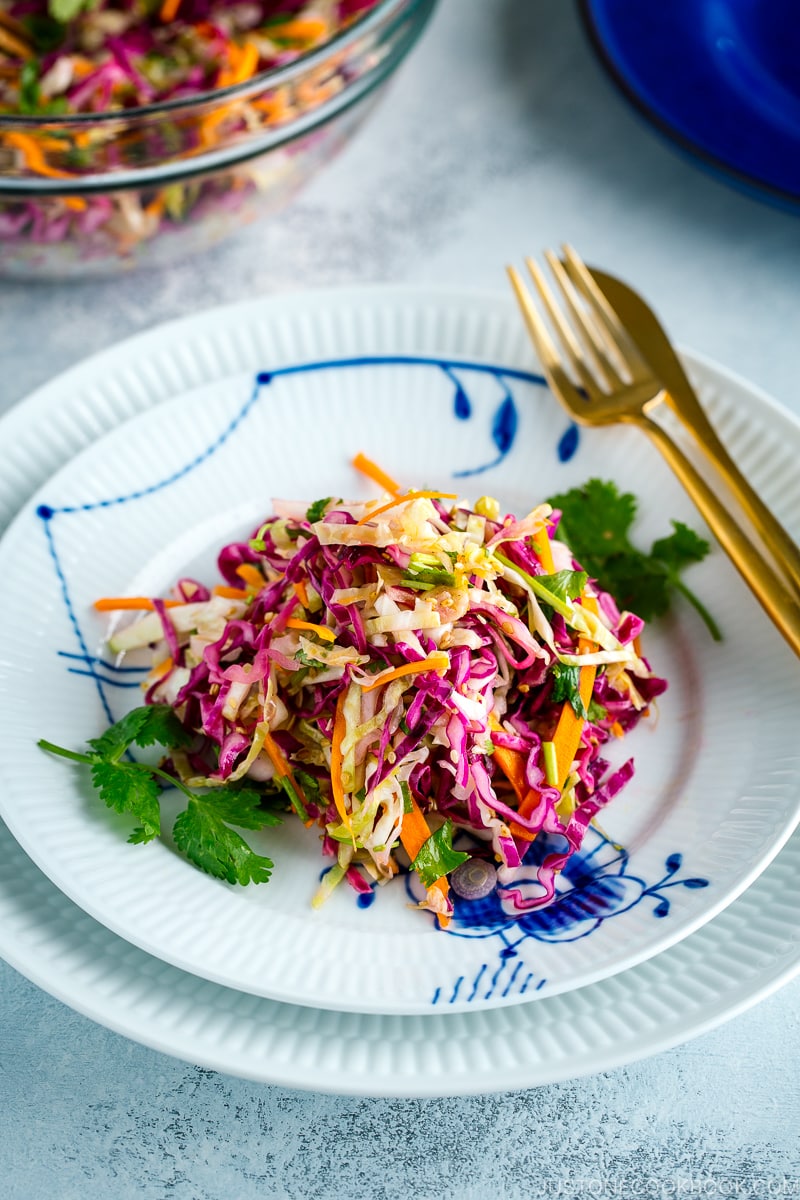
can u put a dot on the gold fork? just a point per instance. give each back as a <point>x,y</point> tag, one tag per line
<point>600,360</point>
<point>627,320</point>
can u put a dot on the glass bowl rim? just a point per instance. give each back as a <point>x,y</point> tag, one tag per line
<point>274,76</point>
<point>414,13</point>
<point>182,170</point>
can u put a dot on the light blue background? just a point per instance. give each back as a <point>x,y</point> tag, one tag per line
<point>499,137</point>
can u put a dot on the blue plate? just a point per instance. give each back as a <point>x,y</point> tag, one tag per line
<point>718,77</point>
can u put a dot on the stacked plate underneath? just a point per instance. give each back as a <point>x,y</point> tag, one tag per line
<point>129,470</point>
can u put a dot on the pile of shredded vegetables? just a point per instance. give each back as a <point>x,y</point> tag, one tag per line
<point>405,669</point>
<point>109,55</point>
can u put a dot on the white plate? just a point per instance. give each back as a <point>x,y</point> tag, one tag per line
<point>715,796</point>
<point>739,958</point>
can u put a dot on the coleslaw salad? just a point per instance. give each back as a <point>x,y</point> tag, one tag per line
<point>404,671</point>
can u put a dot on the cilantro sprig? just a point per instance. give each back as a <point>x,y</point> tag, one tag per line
<point>202,832</point>
<point>436,856</point>
<point>595,523</point>
<point>566,686</point>
<point>316,511</point>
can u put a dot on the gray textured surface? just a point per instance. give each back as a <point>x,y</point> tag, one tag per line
<point>500,136</point>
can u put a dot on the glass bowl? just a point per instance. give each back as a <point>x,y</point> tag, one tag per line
<point>98,193</point>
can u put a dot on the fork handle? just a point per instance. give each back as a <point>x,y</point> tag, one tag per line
<point>768,588</point>
<point>686,406</point>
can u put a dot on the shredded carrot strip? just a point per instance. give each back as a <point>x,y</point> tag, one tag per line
<point>275,107</point>
<point>372,471</point>
<point>512,764</point>
<point>169,10</point>
<point>14,45</point>
<point>336,762</point>
<point>545,552</point>
<point>321,630</point>
<point>441,885</point>
<point>163,668</point>
<point>156,206</point>
<point>301,592</point>
<point>251,575</point>
<point>376,512</point>
<point>414,833</point>
<point>31,151</point>
<point>13,24</point>
<point>111,603</point>
<point>439,661</point>
<point>311,92</point>
<point>230,593</point>
<point>81,67</point>
<point>301,29</point>
<point>281,764</point>
<point>617,730</point>
<point>209,123</point>
<point>75,203</point>
<point>243,64</point>
<point>278,757</point>
<point>567,736</point>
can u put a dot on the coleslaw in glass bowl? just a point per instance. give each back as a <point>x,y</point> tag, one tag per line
<point>124,145</point>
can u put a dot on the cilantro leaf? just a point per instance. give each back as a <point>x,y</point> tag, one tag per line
<point>240,806</point>
<point>145,726</point>
<point>201,833</point>
<point>596,518</point>
<point>564,585</point>
<point>118,737</point>
<point>203,830</point>
<point>437,857</point>
<point>316,511</point>
<point>681,548</point>
<point>139,836</point>
<point>127,788</point>
<point>566,686</point>
<point>556,590</point>
<point>597,711</point>
<point>596,522</point>
<point>307,661</point>
<point>162,727</point>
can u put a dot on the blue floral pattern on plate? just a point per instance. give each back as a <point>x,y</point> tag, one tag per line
<point>595,885</point>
